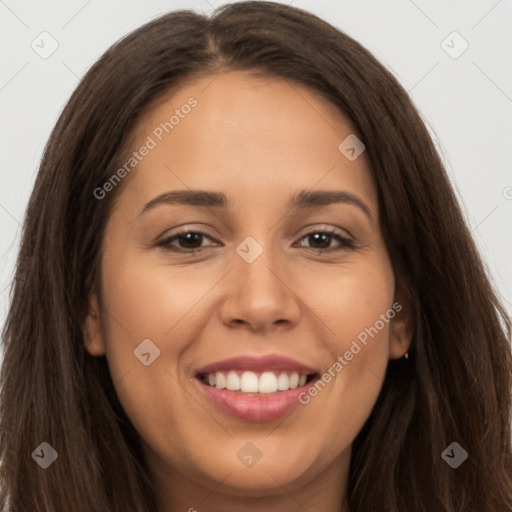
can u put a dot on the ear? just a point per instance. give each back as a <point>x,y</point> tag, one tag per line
<point>93,338</point>
<point>401,325</point>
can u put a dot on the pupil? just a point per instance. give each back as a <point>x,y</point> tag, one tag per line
<point>189,238</point>
<point>316,236</point>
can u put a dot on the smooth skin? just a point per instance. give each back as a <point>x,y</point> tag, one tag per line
<point>259,141</point>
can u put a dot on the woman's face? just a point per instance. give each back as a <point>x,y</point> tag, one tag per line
<point>266,286</point>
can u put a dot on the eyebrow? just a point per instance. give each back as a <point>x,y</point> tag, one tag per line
<point>302,200</point>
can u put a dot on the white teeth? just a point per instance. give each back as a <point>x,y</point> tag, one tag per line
<point>268,383</point>
<point>233,381</point>
<point>283,382</point>
<point>249,382</point>
<point>220,380</point>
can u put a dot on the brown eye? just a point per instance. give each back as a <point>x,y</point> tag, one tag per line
<point>324,238</point>
<point>188,241</point>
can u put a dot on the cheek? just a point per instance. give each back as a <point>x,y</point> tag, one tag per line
<point>163,304</point>
<point>144,302</point>
<point>352,301</point>
<point>151,301</point>
<point>357,307</point>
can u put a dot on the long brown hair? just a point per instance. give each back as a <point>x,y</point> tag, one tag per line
<point>456,384</point>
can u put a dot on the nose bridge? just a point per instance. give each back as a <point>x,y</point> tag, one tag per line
<point>258,263</point>
<point>259,294</point>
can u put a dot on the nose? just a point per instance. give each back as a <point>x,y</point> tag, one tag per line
<point>260,295</point>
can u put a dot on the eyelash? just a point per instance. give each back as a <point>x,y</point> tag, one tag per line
<point>346,244</point>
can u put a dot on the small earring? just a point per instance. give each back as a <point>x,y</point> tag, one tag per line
<point>406,355</point>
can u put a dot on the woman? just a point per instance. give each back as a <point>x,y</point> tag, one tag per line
<point>177,340</point>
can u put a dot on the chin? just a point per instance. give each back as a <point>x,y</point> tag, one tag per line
<point>259,477</point>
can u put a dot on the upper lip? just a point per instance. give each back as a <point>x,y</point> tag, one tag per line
<point>257,363</point>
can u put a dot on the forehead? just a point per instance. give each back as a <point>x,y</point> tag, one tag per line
<point>241,133</point>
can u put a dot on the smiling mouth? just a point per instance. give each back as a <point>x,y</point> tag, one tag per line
<point>257,383</point>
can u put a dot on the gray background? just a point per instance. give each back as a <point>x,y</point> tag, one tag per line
<point>465,98</point>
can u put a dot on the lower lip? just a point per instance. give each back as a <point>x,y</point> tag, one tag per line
<point>252,407</point>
